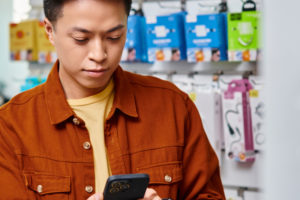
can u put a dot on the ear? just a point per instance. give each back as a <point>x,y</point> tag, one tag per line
<point>49,30</point>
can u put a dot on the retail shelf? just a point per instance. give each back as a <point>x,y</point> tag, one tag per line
<point>183,67</point>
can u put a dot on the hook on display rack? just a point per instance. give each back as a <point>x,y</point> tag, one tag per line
<point>222,7</point>
<point>160,4</point>
<point>249,5</point>
<point>193,73</point>
<point>217,75</point>
<point>246,74</point>
<point>140,4</point>
<point>215,6</point>
<point>182,6</point>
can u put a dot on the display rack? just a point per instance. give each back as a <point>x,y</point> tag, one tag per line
<point>236,177</point>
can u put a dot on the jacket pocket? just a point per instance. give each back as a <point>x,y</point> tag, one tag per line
<point>48,187</point>
<point>165,178</point>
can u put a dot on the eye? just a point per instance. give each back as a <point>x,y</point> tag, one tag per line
<point>81,40</point>
<point>114,38</point>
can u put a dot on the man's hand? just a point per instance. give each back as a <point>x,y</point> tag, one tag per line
<point>96,197</point>
<point>150,194</point>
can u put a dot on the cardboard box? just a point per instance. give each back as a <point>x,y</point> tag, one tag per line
<point>46,51</point>
<point>29,41</point>
<point>206,37</point>
<point>165,38</point>
<point>22,41</point>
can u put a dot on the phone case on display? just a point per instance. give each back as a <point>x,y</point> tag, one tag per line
<point>239,143</point>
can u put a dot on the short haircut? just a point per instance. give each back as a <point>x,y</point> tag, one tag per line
<point>52,8</point>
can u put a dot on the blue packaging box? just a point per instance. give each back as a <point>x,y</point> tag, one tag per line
<point>135,49</point>
<point>165,37</point>
<point>206,37</point>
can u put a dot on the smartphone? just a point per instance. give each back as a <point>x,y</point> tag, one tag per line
<point>126,187</point>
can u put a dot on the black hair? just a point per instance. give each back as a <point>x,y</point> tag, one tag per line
<point>52,8</point>
<point>214,50</point>
<point>130,49</point>
<point>174,50</point>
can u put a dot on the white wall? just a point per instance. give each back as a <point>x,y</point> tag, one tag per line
<point>11,73</point>
<point>282,70</point>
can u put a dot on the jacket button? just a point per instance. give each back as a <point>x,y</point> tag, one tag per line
<point>39,188</point>
<point>168,178</point>
<point>89,189</point>
<point>76,121</point>
<point>86,145</point>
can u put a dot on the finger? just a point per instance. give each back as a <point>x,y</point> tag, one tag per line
<point>93,197</point>
<point>151,194</point>
<point>96,197</point>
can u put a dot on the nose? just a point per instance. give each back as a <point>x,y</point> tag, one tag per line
<point>97,51</point>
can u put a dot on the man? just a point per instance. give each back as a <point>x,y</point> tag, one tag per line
<point>91,119</point>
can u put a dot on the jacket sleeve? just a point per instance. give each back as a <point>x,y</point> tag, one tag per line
<point>12,184</point>
<point>201,172</point>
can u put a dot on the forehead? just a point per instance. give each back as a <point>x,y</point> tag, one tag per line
<point>93,13</point>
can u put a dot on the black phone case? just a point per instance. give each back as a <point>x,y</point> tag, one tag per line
<point>126,187</point>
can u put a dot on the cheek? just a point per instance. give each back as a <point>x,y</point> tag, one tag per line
<point>115,51</point>
<point>69,52</point>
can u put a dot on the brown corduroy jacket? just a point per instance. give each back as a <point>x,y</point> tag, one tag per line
<point>153,128</point>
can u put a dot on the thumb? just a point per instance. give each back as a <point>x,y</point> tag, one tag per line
<point>96,197</point>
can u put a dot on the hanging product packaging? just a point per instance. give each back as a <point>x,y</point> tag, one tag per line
<point>257,105</point>
<point>237,122</point>
<point>208,101</point>
<point>243,36</point>
<point>135,49</point>
<point>165,37</point>
<point>29,41</point>
<point>183,82</point>
<point>206,37</point>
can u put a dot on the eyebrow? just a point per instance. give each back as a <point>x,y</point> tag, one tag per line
<point>78,29</point>
<point>120,26</point>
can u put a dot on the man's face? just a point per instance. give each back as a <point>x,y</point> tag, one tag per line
<point>216,56</point>
<point>89,38</point>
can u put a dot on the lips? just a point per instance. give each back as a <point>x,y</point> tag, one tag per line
<point>95,73</point>
<point>95,70</point>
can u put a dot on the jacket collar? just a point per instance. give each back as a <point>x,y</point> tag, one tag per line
<point>124,98</point>
<point>59,109</point>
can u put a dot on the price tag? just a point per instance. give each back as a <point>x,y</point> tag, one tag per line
<point>193,96</point>
<point>254,93</point>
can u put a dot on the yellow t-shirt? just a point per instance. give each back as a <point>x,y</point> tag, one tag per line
<point>93,110</point>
